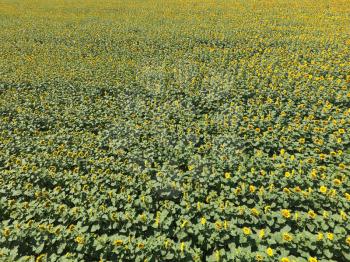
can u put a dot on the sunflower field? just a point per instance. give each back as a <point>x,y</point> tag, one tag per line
<point>174,130</point>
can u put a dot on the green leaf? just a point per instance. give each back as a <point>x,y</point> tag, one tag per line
<point>346,255</point>
<point>286,228</point>
<point>61,248</point>
<point>39,249</point>
<point>311,227</point>
<point>327,253</point>
<point>95,227</point>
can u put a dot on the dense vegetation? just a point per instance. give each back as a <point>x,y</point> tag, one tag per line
<point>174,130</point>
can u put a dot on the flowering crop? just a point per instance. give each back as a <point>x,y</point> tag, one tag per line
<point>174,130</point>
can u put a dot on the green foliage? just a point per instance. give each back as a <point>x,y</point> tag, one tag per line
<point>177,130</point>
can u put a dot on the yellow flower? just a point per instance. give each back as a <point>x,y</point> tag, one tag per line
<point>191,167</point>
<point>347,241</point>
<point>144,218</point>
<point>269,252</point>
<point>226,224</point>
<point>285,259</point>
<point>343,215</point>
<point>285,213</point>
<point>203,220</point>
<point>255,212</point>
<point>166,243</point>
<point>312,259</point>
<point>68,254</point>
<point>347,196</point>
<point>182,246</point>
<point>311,214</point>
<point>313,173</point>
<point>6,232</point>
<point>297,189</point>
<point>140,245</point>
<point>319,236</point>
<point>259,257</point>
<point>118,242</point>
<point>323,189</point>
<point>237,190</point>
<point>286,190</point>
<point>261,233</point>
<point>287,237</point>
<point>218,225</point>
<point>40,258</point>
<point>252,188</point>
<point>341,131</point>
<point>79,240</point>
<point>336,182</point>
<point>184,223</point>
<point>310,160</point>
<point>296,215</point>
<point>325,214</point>
<point>322,156</point>
<point>302,140</point>
<point>287,174</point>
<point>247,231</point>
<point>330,236</point>
<point>227,175</point>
